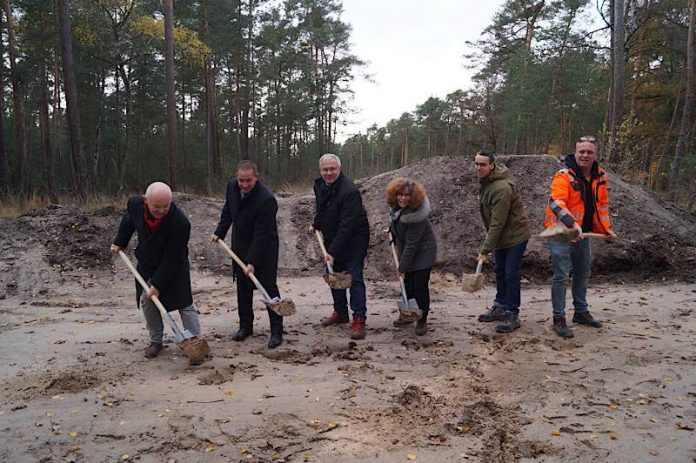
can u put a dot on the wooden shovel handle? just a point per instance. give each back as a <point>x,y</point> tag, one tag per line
<point>142,282</point>
<point>320,238</point>
<point>594,235</point>
<point>393,250</point>
<point>239,262</point>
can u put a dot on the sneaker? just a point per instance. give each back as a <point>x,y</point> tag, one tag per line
<point>153,350</point>
<point>560,327</point>
<point>511,323</point>
<point>334,319</point>
<point>357,328</point>
<point>421,328</point>
<point>400,323</point>
<point>585,318</point>
<point>495,314</point>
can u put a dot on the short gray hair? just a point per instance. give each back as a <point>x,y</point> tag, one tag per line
<point>330,156</point>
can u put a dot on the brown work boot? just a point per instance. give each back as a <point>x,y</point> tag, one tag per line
<point>334,319</point>
<point>560,327</point>
<point>357,328</point>
<point>585,318</point>
<point>153,350</point>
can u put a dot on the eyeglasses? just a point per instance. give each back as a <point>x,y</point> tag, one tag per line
<point>590,138</point>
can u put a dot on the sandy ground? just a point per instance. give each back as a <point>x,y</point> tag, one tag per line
<point>76,386</point>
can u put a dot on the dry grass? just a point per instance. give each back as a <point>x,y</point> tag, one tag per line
<point>14,207</point>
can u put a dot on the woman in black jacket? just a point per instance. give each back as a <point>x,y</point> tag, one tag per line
<point>415,241</point>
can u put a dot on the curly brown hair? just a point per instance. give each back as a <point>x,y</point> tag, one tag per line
<point>399,184</point>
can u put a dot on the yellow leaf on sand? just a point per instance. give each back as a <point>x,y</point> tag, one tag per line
<point>410,457</point>
<point>556,433</point>
<point>72,434</point>
<point>613,436</point>
<point>229,393</point>
<point>209,448</point>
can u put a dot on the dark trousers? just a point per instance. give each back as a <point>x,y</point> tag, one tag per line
<point>358,296</point>
<point>507,277</point>
<point>417,287</point>
<point>245,305</point>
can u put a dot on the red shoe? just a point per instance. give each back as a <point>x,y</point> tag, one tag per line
<point>334,319</point>
<point>357,328</point>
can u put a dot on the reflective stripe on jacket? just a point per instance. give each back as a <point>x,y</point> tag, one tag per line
<point>566,203</point>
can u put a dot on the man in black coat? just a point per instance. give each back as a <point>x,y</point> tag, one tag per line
<point>163,261</point>
<point>250,208</point>
<point>342,219</point>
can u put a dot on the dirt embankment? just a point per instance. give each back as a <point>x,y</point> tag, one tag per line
<point>44,245</point>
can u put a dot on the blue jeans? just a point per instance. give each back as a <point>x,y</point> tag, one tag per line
<point>358,299</point>
<point>569,260</point>
<point>507,277</point>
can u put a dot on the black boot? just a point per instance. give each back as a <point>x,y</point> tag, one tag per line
<point>560,327</point>
<point>495,314</point>
<point>243,333</point>
<point>276,338</point>
<point>585,318</point>
<point>511,323</point>
<point>422,325</point>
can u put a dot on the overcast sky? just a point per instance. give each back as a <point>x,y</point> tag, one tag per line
<point>414,50</point>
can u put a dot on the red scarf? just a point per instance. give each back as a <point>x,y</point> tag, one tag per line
<point>151,222</point>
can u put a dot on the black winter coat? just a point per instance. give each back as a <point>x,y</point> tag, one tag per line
<point>162,255</point>
<point>342,219</point>
<point>254,231</point>
<point>414,237</point>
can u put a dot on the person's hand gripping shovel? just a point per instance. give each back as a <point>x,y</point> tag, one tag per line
<point>408,308</point>
<point>283,307</point>
<point>195,348</point>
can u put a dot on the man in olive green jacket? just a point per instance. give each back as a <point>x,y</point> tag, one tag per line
<point>507,233</point>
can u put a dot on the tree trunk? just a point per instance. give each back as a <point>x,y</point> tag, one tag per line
<point>211,142</point>
<point>3,173</point>
<point>20,144</point>
<point>170,90</point>
<point>687,109</point>
<point>618,77</point>
<point>76,149</point>
<point>48,186</point>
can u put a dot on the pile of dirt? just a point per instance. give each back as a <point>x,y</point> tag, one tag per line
<point>43,246</point>
<point>652,235</point>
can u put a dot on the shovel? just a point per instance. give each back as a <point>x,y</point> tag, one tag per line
<point>408,308</point>
<point>336,280</point>
<point>195,348</point>
<point>562,233</point>
<point>472,283</point>
<point>284,307</point>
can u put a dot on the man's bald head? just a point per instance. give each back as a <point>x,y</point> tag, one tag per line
<point>159,199</point>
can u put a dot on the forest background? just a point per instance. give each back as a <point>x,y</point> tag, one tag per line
<point>100,97</point>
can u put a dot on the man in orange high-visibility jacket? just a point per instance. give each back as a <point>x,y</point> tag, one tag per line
<point>578,200</point>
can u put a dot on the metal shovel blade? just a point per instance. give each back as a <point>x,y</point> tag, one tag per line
<point>409,310</point>
<point>283,307</point>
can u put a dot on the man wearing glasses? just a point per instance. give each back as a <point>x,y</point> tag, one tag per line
<point>342,219</point>
<point>578,200</point>
<point>507,233</point>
